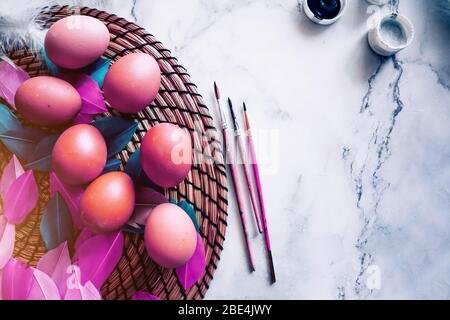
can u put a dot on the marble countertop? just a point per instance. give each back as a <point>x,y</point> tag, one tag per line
<point>354,148</point>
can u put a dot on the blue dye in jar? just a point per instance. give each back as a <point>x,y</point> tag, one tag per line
<point>325,9</point>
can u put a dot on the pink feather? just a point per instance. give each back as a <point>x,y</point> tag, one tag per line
<point>91,96</point>
<point>149,196</point>
<point>10,174</point>
<point>17,280</point>
<point>7,240</point>
<point>55,264</point>
<point>142,295</point>
<point>98,256</point>
<point>71,195</point>
<point>146,200</point>
<point>11,78</point>
<point>77,291</point>
<point>83,119</point>
<point>82,237</point>
<point>43,287</point>
<point>1,277</point>
<point>194,269</point>
<point>86,292</point>
<point>21,198</point>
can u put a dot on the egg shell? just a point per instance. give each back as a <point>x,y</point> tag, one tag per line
<point>132,82</point>
<point>166,154</point>
<point>170,236</point>
<point>108,202</point>
<point>79,154</point>
<point>76,41</point>
<point>47,101</point>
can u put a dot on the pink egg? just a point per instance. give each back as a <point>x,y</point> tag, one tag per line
<point>132,82</point>
<point>108,202</point>
<point>170,236</point>
<point>79,154</point>
<point>166,154</point>
<point>76,41</point>
<point>47,101</point>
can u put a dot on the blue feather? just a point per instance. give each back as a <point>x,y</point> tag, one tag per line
<point>134,169</point>
<point>117,132</point>
<point>8,120</point>
<point>112,165</point>
<point>53,69</point>
<point>56,223</point>
<point>99,70</point>
<point>21,142</point>
<point>17,138</point>
<point>41,158</point>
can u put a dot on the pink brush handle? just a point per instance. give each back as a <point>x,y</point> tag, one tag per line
<point>249,182</point>
<point>237,190</point>
<point>259,188</point>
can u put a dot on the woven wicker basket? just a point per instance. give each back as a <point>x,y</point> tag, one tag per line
<point>205,188</point>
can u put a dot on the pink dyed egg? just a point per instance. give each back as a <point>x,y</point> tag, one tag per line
<point>79,154</point>
<point>108,202</point>
<point>166,154</point>
<point>170,236</point>
<point>132,82</point>
<point>47,101</point>
<point>76,41</point>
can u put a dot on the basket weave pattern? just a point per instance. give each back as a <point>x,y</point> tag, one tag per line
<point>205,188</point>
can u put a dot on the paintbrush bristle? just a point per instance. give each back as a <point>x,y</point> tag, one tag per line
<point>273,277</point>
<point>231,109</point>
<point>245,107</point>
<point>216,91</point>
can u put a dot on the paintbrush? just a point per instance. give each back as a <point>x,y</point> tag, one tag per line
<point>234,178</point>
<point>255,167</point>
<point>244,157</point>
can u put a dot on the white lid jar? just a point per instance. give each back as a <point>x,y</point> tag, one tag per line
<point>390,34</point>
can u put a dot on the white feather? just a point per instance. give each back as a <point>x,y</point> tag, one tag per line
<point>18,26</point>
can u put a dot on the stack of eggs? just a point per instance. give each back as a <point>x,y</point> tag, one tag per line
<point>80,153</point>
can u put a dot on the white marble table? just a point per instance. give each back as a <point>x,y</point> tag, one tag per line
<point>355,149</point>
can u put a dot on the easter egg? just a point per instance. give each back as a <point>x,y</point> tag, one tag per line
<point>166,154</point>
<point>79,154</point>
<point>47,101</point>
<point>76,41</point>
<point>108,202</point>
<point>132,82</point>
<point>170,236</point>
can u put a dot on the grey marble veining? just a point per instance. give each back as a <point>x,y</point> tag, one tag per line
<point>355,148</point>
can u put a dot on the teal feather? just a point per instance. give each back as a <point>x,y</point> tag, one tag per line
<point>56,223</point>
<point>17,138</point>
<point>112,165</point>
<point>41,158</point>
<point>53,69</point>
<point>99,70</point>
<point>8,120</point>
<point>189,209</point>
<point>117,132</point>
<point>134,169</point>
<point>21,142</point>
